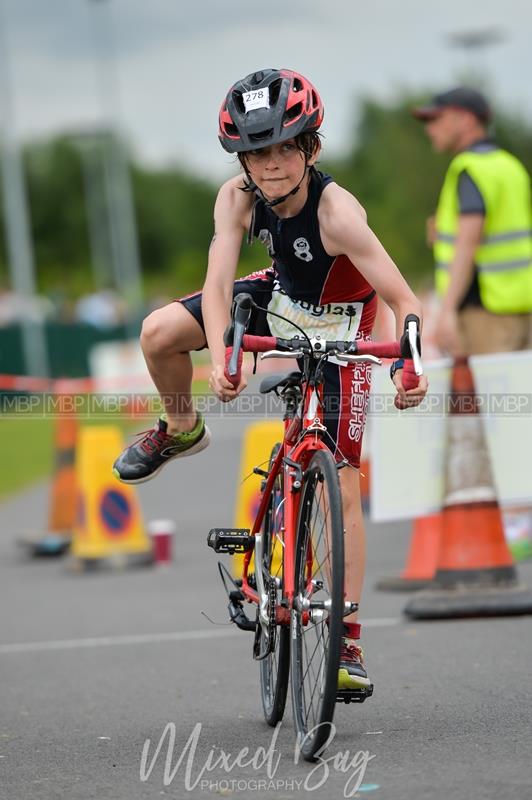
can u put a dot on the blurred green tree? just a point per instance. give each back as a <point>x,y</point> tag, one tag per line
<point>58,221</point>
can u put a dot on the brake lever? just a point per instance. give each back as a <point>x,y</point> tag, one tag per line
<point>238,334</point>
<point>413,336</point>
<point>282,354</point>
<point>241,313</point>
<point>352,359</point>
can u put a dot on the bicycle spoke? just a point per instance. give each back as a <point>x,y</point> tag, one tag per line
<point>319,580</point>
<point>314,684</point>
<point>316,680</point>
<point>274,669</point>
<point>313,671</point>
<point>315,546</point>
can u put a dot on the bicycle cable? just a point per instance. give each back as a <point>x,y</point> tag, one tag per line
<point>279,316</point>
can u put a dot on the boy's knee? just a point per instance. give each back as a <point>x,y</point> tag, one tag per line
<point>159,333</point>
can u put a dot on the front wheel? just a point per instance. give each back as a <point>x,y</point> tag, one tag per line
<point>275,667</point>
<point>317,616</point>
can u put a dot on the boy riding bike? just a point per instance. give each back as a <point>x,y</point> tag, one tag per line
<point>327,268</point>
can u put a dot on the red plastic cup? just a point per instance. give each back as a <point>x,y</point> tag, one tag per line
<point>162,532</point>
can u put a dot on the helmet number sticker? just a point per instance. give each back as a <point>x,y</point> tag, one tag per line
<point>258,99</point>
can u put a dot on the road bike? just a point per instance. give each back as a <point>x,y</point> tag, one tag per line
<point>293,564</point>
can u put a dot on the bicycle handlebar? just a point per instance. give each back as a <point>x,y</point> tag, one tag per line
<point>237,341</point>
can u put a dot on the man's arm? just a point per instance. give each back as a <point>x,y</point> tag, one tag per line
<point>461,270</point>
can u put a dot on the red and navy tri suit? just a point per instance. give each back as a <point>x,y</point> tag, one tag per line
<point>324,295</point>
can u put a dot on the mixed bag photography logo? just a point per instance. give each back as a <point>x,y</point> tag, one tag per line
<point>197,766</point>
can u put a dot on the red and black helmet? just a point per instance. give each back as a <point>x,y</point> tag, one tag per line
<point>268,107</point>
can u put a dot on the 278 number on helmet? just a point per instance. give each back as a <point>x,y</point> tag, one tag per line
<point>258,99</point>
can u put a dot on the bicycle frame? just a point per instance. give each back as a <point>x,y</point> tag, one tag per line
<point>302,433</point>
<point>302,438</point>
<point>300,611</point>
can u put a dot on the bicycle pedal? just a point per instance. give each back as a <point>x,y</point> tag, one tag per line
<point>353,695</point>
<point>230,540</point>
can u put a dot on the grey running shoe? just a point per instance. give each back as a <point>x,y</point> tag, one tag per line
<point>142,460</point>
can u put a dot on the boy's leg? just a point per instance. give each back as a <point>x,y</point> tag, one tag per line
<point>168,335</point>
<point>355,539</point>
<point>352,672</point>
<point>346,391</point>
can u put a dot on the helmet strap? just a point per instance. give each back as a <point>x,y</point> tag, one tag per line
<point>279,200</point>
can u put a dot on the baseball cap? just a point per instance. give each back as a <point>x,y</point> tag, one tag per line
<point>461,97</point>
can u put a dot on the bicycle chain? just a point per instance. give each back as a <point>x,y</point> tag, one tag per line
<point>272,628</point>
<point>272,604</point>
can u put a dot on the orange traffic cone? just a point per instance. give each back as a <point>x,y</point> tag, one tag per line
<point>475,574</point>
<point>63,495</point>
<point>422,557</point>
<point>63,499</point>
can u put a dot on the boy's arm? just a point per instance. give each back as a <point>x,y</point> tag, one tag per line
<point>344,231</point>
<point>224,251</point>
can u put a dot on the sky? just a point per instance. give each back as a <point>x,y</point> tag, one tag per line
<point>159,69</point>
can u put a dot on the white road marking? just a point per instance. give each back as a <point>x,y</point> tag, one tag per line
<point>151,638</point>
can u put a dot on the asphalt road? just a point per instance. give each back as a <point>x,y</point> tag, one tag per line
<point>93,665</point>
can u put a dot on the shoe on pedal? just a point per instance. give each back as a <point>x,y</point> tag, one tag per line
<point>145,458</point>
<point>352,673</point>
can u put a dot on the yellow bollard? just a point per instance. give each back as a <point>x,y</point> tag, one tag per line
<point>109,525</point>
<point>259,439</point>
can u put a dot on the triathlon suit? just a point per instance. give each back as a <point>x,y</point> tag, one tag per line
<point>325,295</point>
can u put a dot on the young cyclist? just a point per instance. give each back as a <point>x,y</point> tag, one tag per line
<point>327,267</point>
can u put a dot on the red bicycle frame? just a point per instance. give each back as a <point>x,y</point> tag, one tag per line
<point>302,438</point>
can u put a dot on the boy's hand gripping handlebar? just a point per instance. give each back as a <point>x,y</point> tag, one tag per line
<point>234,335</point>
<point>411,352</point>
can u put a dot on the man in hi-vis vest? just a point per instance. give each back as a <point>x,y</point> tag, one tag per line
<point>481,233</point>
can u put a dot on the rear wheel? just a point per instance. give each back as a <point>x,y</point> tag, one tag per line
<point>317,616</point>
<point>274,669</point>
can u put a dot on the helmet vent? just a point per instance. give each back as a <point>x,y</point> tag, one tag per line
<point>239,102</point>
<point>294,112</point>
<point>275,88</point>
<point>297,84</point>
<point>230,129</point>
<point>261,136</point>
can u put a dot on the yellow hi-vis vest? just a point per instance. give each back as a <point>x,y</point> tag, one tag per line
<point>503,259</point>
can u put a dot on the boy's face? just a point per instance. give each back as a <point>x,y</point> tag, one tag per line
<point>277,169</point>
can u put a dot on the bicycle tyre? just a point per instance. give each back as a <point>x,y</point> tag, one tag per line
<point>314,682</point>
<point>275,668</point>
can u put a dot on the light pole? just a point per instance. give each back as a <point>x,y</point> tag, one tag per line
<point>474,42</point>
<point>122,224</point>
<point>89,148</point>
<point>18,236</point>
